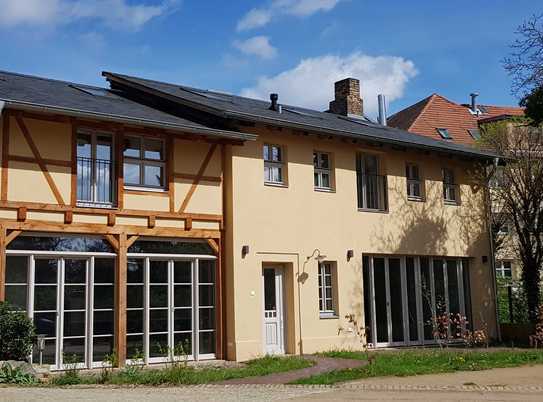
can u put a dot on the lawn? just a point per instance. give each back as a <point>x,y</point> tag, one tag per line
<point>180,374</point>
<point>424,361</point>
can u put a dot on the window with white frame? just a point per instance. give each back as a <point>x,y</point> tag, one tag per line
<point>273,164</point>
<point>449,186</point>
<point>503,269</point>
<point>144,162</point>
<point>414,184</point>
<point>322,174</point>
<point>327,306</point>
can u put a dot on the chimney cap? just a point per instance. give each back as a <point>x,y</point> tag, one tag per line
<point>274,98</point>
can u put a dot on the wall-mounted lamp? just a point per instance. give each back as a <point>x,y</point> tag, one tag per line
<point>244,251</point>
<point>350,254</point>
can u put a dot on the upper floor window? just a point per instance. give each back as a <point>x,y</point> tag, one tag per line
<point>144,162</point>
<point>322,174</point>
<point>371,187</point>
<point>449,186</point>
<point>444,133</point>
<point>327,289</point>
<point>414,185</point>
<point>503,269</point>
<point>95,169</point>
<point>273,164</point>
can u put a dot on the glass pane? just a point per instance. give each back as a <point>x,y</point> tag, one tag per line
<point>74,297</point>
<point>158,295</point>
<point>206,271</point>
<point>57,243</point>
<point>46,323</point>
<point>182,272</point>
<point>103,296</point>
<point>207,342</point>
<point>48,354</point>
<point>103,147</point>
<point>381,315</point>
<point>75,271</point>
<point>411,299</point>
<point>74,324</point>
<point>16,269</point>
<point>84,147</point>
<point>45,297</point>
<point>207,318</point>
<point>183,341</point>
<point>132,173</point>
<point>316,179</point>
<point>158,320</point>
<point>441,303</point>
<point>170,247</point>
<point>158,345</point>
<point>396,302</point>
<point>134,321</point>
<point>325,180</point>
<point>427,305</point>
<point>324,162</point>
<point>276,154</point>
<point>73,350</point>
<point>103,322</point>
<point>16,295</point>
<point>266,152</point>
<point>104,270</point>
<point>85,172</point>
<point>454,298</point>
<point>367,297</point>
<point>206,295</point>
<point>154,149</point>
<point>158,272</point>
<point>45,271</point>
<point>182,296</point>
<point>132,147</point>
<point>182,320</point>
<point>135,270</point>
<point>269,289</point>
<point>134,295</point>
<point>134,346</point>
<point>154,175</point>
<point>101,347</point>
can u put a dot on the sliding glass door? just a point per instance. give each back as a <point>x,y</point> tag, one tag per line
<point>403,296</point>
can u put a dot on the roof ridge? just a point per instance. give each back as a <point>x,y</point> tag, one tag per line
<point>428,100</point>
<point>36,77</point>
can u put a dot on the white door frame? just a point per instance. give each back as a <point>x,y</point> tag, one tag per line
<point>279,314</point>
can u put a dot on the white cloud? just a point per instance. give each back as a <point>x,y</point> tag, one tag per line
<point>115,13</point>
<point>258,17</point>
<point>311,82</point>
<point>258,46</point>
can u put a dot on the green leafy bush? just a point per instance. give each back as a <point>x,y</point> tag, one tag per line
<point>16,333</point>
<point>15,375</point>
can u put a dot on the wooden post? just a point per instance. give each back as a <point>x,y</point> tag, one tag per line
<point>120,300</point>
<point>2,262</point>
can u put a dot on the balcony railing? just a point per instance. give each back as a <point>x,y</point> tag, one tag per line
<point>372,192</point>
<point>95,182</point>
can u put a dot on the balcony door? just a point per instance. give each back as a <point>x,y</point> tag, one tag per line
<point>371,185</point>
<point>95,174</point>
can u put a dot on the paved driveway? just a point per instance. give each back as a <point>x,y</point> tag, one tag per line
<point>514,384</point>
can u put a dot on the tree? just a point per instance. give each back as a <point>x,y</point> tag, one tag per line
<point>525,63</point>
<point>533,104</point>
<point>519,196</point>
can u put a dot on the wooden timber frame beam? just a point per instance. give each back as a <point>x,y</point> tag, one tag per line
<point>121,272</point>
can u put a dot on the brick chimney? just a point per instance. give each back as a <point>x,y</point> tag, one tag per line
<point>347,98</point>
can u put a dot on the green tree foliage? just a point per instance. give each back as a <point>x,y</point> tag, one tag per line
<point>16,333</point>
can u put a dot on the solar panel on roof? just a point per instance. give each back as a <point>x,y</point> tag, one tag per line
<point>91,90</point>
<point>208,95</point>
<point>301,113</point>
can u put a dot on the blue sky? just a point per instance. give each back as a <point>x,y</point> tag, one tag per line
<point>298,48</point>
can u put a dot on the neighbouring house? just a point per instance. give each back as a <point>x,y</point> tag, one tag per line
<point>440,118</point>
<point>150,215</point>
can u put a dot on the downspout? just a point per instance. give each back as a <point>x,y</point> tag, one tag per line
<point>492,254</point>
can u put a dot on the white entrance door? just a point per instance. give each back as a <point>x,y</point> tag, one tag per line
<point>274,340</point>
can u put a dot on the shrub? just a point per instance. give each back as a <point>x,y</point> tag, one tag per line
<point>16,333</point>
<point>15,375</point>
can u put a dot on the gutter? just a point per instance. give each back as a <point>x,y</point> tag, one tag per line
<point>34,107</point>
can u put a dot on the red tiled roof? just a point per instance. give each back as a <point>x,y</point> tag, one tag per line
<point>434,112</point>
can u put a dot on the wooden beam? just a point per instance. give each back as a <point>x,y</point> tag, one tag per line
<point>68,217</point>
<point>2,262</point>
<point>170,147</point>
<point>39,159</point>
<point>12,236</point>
<point>73,165</point>
<point>21,214</point>
<point>151,221</point>
<point>188,224</point>
<point>196,180</point>
<point>5,157</point>
<point>131,241</point>
<point>111,219</point>
<point>113,241</point>
<point>192,177</point>
<point>120,300</point>
<point>28,159</point>
<point>213,244</point>
<point>120,170</point>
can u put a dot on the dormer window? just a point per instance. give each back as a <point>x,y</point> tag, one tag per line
<point>444,133</point>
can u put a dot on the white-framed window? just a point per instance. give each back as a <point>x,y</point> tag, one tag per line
<point>322,174</point>
<point>449,186</point>
<point>414,184</point>
<point>503,269</point>
<point>273,164</point>
<point>327,291</point>
<point>144,162</point>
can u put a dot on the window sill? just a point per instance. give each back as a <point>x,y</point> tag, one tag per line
<point>373,211</point>
<point>89,204</point>
<point>416,199</point>
<point>328,316</point>
<point>272,184</point>
<point>145,189</point>
<point>325,190</point>
<point>451,203</point>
